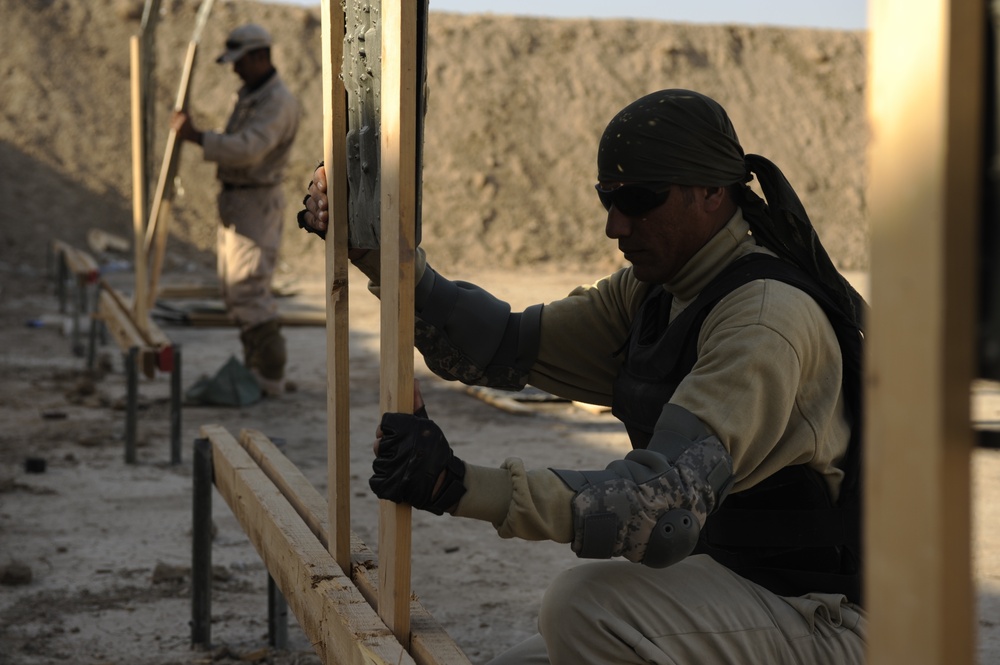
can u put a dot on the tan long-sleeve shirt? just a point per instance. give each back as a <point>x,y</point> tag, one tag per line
<point>767,381</point>
<point>257,141</point>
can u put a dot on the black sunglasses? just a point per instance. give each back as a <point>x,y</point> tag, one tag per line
<point>633,200</point>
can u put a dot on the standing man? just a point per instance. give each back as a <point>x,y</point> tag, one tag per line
<point>251,153</point>
<point>730,349</point>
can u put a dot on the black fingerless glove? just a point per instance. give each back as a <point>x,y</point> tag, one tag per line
<point>411,456</point>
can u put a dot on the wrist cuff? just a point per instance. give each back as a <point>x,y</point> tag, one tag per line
<point>453,488</point>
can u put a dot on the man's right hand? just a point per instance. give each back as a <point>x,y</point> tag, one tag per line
<point>316,216</point>
<point>414,464</point>
<point>181,123</point>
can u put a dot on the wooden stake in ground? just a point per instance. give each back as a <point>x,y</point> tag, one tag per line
<point>156,230</point>
<point>398,218</point>
<point>391,103</point>
<point>147,36</point>
<point>337,309</point>
<point>140,304</point>
<point>925,107</point>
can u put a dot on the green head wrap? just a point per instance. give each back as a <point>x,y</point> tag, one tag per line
<point>672,136</point>
<point>682,137</point>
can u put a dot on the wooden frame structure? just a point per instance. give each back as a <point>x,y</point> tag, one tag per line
<point>154,237</point>
<point>129,321</point>
<point>145,346</point>
<point>351,608</point>
<point>286,520</point>
<point>925,104</point>
<point>70,261</point>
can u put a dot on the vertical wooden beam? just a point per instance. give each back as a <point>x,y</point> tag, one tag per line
<point>337,310</point>
<point>398,219</point>
<point>140,303</point>
<point>147,33</point>
<point>925,107</point>
<point>156,230</point>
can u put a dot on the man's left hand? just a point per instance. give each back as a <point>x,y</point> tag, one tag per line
<point>414,464</point>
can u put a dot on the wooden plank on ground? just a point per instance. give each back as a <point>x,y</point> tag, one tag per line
<point>925,107</point>
<point>205,318</point>
<point>208,291</point>
<point>429,643</point>
<point>338,621</point>
<point>398,220</point>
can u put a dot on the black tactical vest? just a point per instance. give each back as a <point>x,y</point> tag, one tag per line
<point>785,533</point>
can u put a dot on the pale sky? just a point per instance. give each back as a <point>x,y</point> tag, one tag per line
<point>834,14</point>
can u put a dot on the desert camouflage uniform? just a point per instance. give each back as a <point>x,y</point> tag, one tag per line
<point>252,153</point>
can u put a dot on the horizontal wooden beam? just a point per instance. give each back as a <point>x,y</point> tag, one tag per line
<point>152,335</point>
<point>338,621</point>
<point>79,262</point>
<point>430,644</point>
<point>117,316</point>
<point>221,319</point>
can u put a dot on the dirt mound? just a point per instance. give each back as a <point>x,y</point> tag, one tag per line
<point>516,107</point>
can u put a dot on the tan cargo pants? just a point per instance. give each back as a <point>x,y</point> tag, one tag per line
<point>696,612</point>
<point>248,242</point>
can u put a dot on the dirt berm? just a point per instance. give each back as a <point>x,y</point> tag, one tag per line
<point>516,106</point>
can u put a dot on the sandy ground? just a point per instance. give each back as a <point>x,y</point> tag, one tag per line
<point>108,544</point>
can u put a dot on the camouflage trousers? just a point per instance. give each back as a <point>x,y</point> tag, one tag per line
<point>249,238</point>
<point>696,611</point>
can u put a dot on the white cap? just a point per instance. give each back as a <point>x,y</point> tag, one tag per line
<point>244,39</point>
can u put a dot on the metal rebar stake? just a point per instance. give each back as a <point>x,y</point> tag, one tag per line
<point>62,275</point>
<point>79,310</point>
<point>201,546</point>
<point>95,324</point>
<point>175,407</point>
<point>131,403</point>
<point>277,616</point>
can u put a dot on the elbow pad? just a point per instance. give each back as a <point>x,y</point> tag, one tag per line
<point>650,506</point>
<point>467,334</point>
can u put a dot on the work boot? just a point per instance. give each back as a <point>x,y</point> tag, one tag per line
<point>264,355</point>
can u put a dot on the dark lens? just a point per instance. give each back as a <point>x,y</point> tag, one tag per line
<point>635,201</point>
<point>631,200</point>
<point>607,200</point>
<point>233,45</point>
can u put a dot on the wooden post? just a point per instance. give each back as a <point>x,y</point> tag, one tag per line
<point>147,33</point>
<point>398,220</point>
<point>338,382</point>
<point>925,106</point>
<point>140,303</point>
